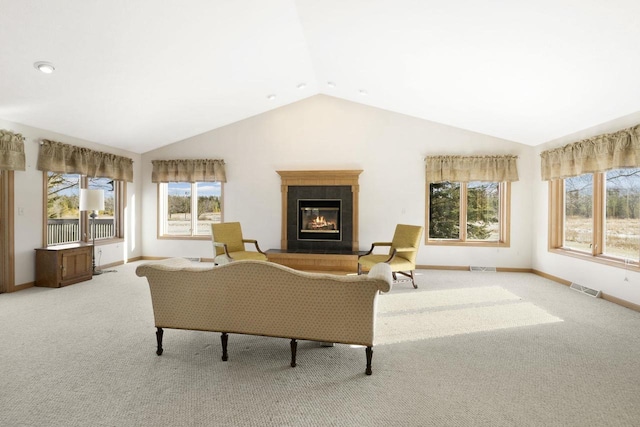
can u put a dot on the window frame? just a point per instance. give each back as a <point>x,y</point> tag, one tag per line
<point>504,239</point>
<point>162,200</point>
<point>555,240</point>
<point>85,223</point>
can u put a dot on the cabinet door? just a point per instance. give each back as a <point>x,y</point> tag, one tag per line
<point>76,263</point>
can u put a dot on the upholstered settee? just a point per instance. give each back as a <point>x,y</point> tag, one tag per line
<point>264,298</point>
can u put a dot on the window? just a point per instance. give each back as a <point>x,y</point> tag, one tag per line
<point>188,209</point>
<point>472,213</point>
<point>597,215</point>
<point>64,221</point>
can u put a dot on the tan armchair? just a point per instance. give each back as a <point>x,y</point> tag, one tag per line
<point>228,244</point>
<point>402,252</point>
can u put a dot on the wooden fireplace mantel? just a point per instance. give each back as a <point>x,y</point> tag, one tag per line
<point>320,177</point>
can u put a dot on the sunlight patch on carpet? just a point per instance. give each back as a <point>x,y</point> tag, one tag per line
<point>417,300</point>
<point>434,314</point>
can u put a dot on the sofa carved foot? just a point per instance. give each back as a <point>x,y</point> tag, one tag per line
<point>294,348</point>
<point>159,333</point>
<point>369,351</point>
<point>224,338</point>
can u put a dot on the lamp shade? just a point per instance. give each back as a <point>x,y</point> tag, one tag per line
<point>91,200</point>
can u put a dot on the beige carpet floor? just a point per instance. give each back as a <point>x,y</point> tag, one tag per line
<point>465,349</point>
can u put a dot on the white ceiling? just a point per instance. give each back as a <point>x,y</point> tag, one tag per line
<point>140,74</point>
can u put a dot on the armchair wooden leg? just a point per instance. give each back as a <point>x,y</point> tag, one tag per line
<point>413,280</point>
<point>359,269</point>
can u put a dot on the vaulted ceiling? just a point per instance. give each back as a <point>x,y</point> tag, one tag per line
<point>140,74</point>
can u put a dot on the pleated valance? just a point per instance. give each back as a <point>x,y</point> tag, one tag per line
<point>598,154</point>
<point>472,168</point>
<point>188,170</point>
<point>11,151</point>
<point>64,158</point>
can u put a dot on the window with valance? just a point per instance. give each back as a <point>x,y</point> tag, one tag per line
<point>189,196</point>
<point>68,168</point>
<point>594,187</point>
<point>468,199</point>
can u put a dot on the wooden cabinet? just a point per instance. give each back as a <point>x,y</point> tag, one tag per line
<point>63,265</point>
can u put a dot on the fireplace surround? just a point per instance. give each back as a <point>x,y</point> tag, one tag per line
<point>320,210</point>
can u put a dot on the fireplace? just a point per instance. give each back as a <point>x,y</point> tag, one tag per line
<point>319,219</point>
<point>320,211</point>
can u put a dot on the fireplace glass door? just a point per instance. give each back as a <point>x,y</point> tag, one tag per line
<point>319,219</point>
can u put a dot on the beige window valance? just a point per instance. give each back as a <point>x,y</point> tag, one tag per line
<point>11,151</point>
<point>598,154</point>
<point>188,170</point>
<point>472,168</point>
<point>64,158</point>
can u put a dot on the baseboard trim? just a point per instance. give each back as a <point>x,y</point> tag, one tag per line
<point>621,302</point>
<point>467,268</point>
<point>21,287</point>
<point>551,277</point>
<point>606,297</point>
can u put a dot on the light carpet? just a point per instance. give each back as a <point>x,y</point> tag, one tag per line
<point>84,355</point>
<point>432,314</point>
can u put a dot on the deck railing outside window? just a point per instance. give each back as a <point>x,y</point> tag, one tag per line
<point>68,230</point>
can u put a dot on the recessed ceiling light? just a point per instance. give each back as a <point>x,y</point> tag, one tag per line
<point>363,92</point>
<point>45,67</point>
<point>331,84</point>
<point>301,86</point>
<point>271,97</point>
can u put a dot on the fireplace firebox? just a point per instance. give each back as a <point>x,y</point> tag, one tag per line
<point>319,219</point>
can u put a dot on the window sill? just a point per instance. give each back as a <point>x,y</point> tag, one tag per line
<point>468,244</point>
<point>600,259</point>
<point>112,241</point>
<point>184,237</point>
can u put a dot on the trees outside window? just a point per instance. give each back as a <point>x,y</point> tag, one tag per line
<point>597,215</point>
<point>473,213</point>
<point>63,214</point>
<point>188,209</point>
<point>64,221</point>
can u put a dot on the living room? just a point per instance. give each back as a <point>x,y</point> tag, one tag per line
<point>287,101</point>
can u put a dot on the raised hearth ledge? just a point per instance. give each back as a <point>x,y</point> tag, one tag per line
<point>343,261</point>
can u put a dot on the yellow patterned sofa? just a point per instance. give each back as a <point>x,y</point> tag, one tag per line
<point>264,298</point>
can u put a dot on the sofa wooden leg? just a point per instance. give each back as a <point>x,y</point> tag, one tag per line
<point>294,348</point>
<point>224,338</point>
<point>413,280</point>
<point>159,333</point>
<point>369,351</point>
<point>359,269</point>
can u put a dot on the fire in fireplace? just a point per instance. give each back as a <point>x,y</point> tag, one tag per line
<point>319,219</point>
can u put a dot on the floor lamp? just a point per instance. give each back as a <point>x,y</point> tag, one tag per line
<point>92,200</point>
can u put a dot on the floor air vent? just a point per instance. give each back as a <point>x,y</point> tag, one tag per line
<point>585,290</point>
<point>487,269</point>
<point>193,259</point>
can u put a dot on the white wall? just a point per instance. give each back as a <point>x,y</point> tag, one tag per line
<point>610,280</point>
<point>28,200</point>
<point>323,132</point>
